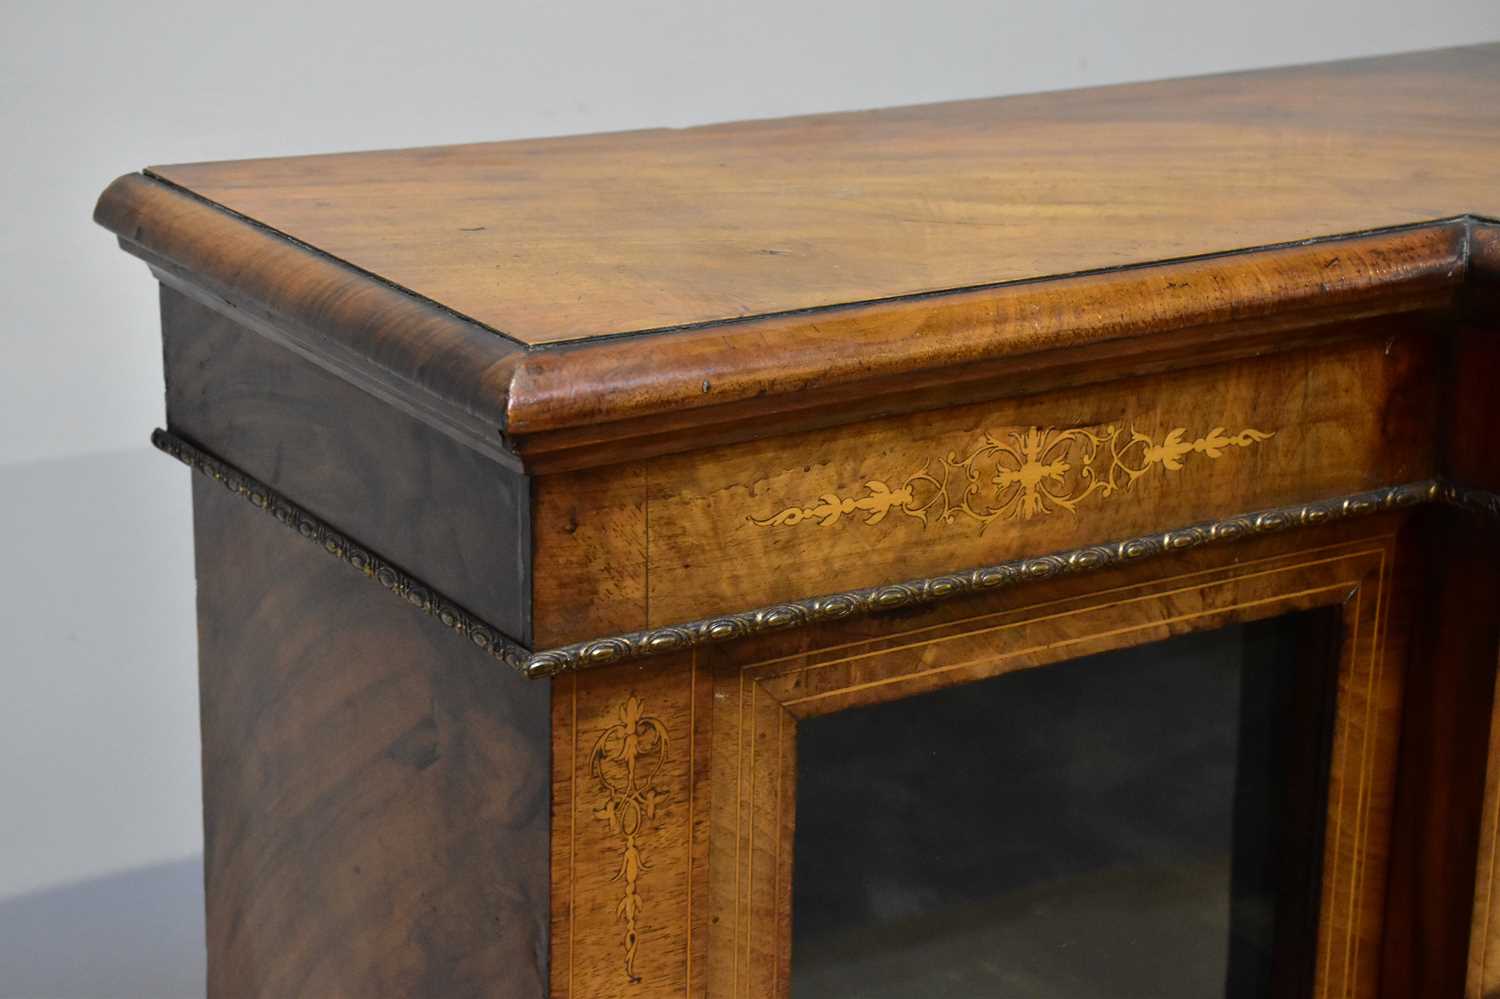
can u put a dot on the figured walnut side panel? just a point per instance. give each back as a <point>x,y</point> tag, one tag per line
<point>1464,642</point>
<point>1442,890</point>
<point>448,513</point>
<point>375,793</point>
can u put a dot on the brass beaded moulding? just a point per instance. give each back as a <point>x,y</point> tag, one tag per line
<point>828,607</point>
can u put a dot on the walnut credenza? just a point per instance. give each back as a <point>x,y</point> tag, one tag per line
<point>575,513</point>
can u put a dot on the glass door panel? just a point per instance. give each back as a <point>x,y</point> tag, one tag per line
<point>1143,823</point>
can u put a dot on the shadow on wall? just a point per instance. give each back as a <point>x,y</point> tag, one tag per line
<point>135,935</point>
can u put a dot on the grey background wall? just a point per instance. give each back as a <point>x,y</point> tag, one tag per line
<point>99,825</point>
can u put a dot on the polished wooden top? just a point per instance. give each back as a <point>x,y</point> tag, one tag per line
<point>813,271</point>
<point>569,238</point>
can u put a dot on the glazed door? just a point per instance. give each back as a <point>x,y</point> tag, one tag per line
<point>1143,822</point>
<point>1232,773</point>
<point>1177,788</point>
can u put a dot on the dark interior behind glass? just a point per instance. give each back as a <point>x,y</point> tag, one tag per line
<point>1142,823</point>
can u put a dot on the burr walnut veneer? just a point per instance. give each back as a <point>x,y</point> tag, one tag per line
<point>549,488</point>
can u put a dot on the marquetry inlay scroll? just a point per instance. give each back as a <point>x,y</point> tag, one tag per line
<point>1020,474</point>
<point>625,761</point>
<point>830,606</point>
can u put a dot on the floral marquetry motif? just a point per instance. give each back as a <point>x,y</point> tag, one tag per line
<point>625,760</point>
<point>1020,474</point>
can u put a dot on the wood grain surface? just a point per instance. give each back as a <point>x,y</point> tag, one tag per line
<point>604,383</point>
<point>595,901</point>
<point>1444,740</point>
<point>560,239</point>
<point>622,397</point>
<point>716,910</point>
<point>1450,832</point>
<point>816,271</point>
<point>759,704</point>
<point>605,402</point>
<point>412,353</point>
<point>447,513</point>
<point>684,537</point>
<point>375,794</point>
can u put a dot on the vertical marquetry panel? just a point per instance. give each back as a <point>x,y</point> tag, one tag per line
<point>624,815</point>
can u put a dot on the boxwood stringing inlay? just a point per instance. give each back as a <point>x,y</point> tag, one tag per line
<point>798,613</point>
